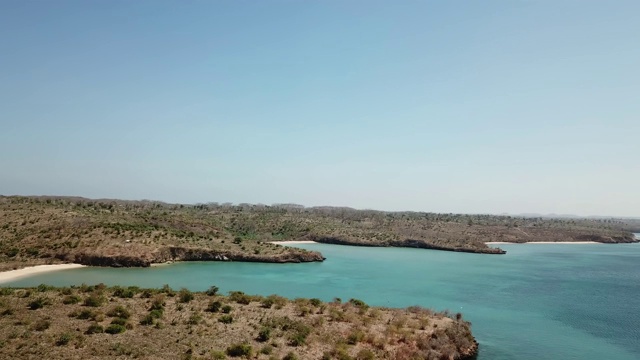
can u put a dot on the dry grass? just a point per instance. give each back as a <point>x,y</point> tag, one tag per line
<point>168,324</point>
<point>36,230</point>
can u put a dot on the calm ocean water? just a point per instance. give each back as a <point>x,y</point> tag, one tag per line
<point>537,302</point>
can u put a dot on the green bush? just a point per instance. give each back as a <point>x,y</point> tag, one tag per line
<point>214,306</point>
<point>264,334</point>
<point>44,287</point>
<point>240,350</point>
<point>226,319</point>
<point>94,300</point>
<point>185,295</point>
<point>212,291</point>
<point>226,309</point>
<point>217,355</point>
<point>95,329</point>
<point>290,356</point>
<point>39,302</point>
<point>147,320</point>
<point>123,293</point>
<point>71,299</point>
<point>119,321</point>
<point>119,312</point>
<point>41,325</point>
<point>63,339</point>
<point>240,297</point>
<point>115,329</point>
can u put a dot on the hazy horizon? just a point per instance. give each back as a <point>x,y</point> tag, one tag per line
<point>479,107</point>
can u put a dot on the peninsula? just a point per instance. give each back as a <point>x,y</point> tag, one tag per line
<point>49,230</point>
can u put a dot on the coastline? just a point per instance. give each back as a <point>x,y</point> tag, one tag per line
<point>544,242</point>
<point>12,275</point>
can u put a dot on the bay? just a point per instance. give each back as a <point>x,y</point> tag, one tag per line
<point>539,301</point>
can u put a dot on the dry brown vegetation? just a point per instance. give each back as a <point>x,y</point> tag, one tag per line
<point>137,233</point>
<point>100,322</point>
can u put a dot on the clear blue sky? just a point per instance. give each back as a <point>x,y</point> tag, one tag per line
<point>443,106</point>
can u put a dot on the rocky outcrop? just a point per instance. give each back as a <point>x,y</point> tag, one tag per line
<point>175,253</point>
<point>471,352</point>
<point>607,239</point>
<point>407,243</point>
<point>107,260</point>
<point>113,258</point>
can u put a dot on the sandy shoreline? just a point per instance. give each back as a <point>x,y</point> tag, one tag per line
<point>293,242</point>
<point>12,275</point>
<point>544,242</point>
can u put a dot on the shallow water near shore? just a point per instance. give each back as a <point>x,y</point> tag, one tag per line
<point>555,301</point>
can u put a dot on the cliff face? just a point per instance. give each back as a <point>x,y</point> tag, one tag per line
<point>407,243</point>
<point>175,253</point>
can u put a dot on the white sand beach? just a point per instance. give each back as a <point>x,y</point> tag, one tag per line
<point>11,275</point>
<point>293,242</point>
<point>543,242</point>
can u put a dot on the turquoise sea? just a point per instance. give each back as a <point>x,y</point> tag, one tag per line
<point>538,301</point>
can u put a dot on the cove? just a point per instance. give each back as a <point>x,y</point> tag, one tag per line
<point>538,301</point>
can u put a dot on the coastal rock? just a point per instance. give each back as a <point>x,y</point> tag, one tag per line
<point>176,253</point>
<point>407,243</point>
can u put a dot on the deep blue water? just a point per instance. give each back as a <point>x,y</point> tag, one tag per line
<point>536,302</point>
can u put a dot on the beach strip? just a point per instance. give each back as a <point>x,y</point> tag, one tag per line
<point>12,275</point>
<point>292,242</point>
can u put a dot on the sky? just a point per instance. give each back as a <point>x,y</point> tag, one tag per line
<point>509,106</point>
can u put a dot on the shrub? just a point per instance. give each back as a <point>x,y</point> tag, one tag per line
<point>6,291</point>
<point>217,355</point>
<point>290,356</point>
<point>267,350</point>
<point>71,299</point>
<point>240,297</point>
<point>214,306</point>
<point>41,325</point>
<point>94,300</point>
<point>119,312</point>
<point>226,319</point>
<point>365,354</point>
<point>157,303</point>
<point>299,336</point>
<point>358,303</point>
<point>156,314</point>
<point>168,290</point>
<point>147,320</point>
<point>44,287</point>
<point>63,339</point>
<point>185,295</point>
<point>95,329</point>
<point>85,314</point>
<point>119,321</point>
<point>226,309</point>
<point>355,337</point>
<point>123,293</point>
<point>38,303</point>
<point>115,329</point>
<point>264,334</point>
<point>194,319</point>
<point>212,291</point>
<point>239,350</point>
<point>315,302</point>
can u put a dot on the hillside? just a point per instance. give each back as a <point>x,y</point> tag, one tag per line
<point>35,230</point>
<point>100,322</point>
